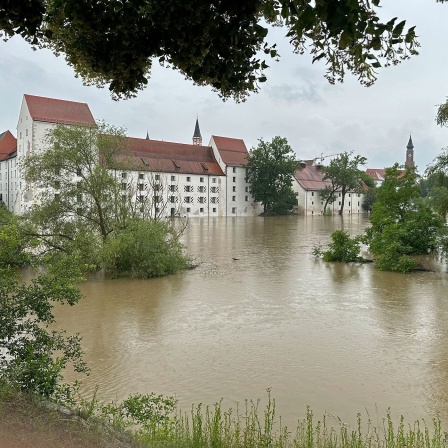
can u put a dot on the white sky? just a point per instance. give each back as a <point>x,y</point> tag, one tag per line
<point>296,102</point>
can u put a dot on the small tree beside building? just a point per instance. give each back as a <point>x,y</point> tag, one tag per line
<point>344,175</point>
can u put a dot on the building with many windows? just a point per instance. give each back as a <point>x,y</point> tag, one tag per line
<point>174,178</point>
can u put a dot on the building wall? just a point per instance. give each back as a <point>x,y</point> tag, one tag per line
<point>9,182</point>
<point>309,202</point>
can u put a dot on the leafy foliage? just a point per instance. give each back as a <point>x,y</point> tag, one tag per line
<point>402,224</point>
<point>344,176</point>
<point>144,249</point>
<point>369,199</point>
<point>115,43</point>
<point>343,248</point>
<point>270,167</point>
<point>32,356</point>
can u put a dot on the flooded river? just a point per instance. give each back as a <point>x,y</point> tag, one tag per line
<point>260,312</point>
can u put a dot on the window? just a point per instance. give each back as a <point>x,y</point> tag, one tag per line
<point>26,132</point>
<point>174,188</point>
<point>246,189</point>
<point>57,197</point>
<point>79,197</point>
<point>234,179</point>
<point>173,199</point>
<point>214,209</point>
<point>234,170</point>
<point>246,198</point>
<point>214,189</point>
<point>140,187</point>
<point>233,210</point>
<point>214,200</point>
<point>141,198</point>
<point>157,176</point>
<point>312,202</point>
<point>188,210</point>
<point>187,199</point>
<point>140,175</point>
<point>156,199</point>
<point>233,198</point>
<point>358,203</point>
<point>234,188</point>
<point>156,187</point>
<point>312,193</point>
<point>213,180</point>
<point>78,171</point>
<point>188,179</point>
<point>201,199</point>
<point>173,178</point>
<point>123,186</point>
<point>201,210</point>
<point>201,179</point>
<point>201,189</point>
<point>188,188</point>
<point>349,203</point>
<point>124,175</point>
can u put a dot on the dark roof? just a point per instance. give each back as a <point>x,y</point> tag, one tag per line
<point>8,145</point>
<point>410,144</point>
<point>168,157</point>
<point>51,110</point>
<point>197,131</point>
<point>310,176</point>
<point>233,151</point>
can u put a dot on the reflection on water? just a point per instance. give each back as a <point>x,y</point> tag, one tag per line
<point>261,312</point>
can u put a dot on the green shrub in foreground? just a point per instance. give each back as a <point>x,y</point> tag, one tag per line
<point>144,249</point>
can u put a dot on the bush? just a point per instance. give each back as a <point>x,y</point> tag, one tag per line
<point>343,248</point>
<point>144,249</point>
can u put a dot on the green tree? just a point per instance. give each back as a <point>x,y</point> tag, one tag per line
<point>402,225</point>
<point>115,44</point>
<point>75,191</point>
<point>327,194</point>
<point>32,357</point>
<point>369,199</point>
<point>270,167</point>
<point>82,202</point>
<point>344,175</point>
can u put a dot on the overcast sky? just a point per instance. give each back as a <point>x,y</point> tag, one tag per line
<point>296,102</point>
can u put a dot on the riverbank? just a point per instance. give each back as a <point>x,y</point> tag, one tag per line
<point>27,422</point>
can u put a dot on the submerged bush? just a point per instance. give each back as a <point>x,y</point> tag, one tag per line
<point>144,249</point>
<point>343,248</point>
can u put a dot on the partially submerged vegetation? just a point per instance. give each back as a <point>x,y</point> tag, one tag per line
<point>403,225</point>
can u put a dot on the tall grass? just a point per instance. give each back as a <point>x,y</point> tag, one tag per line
<point>249,427</point>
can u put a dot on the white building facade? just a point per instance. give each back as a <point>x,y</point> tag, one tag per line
<point>168,179</point>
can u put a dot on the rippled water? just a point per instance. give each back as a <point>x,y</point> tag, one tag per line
<point>260,312</point>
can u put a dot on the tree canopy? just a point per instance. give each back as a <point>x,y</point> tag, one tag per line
<point>86,204</point>
<point>270,168</point>
<point>212,42</point>
<point>345,176</point>
<point>402,224</point>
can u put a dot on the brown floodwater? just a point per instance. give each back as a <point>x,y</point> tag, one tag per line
<point>260,312</point>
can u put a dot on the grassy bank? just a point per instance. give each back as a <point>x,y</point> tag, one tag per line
<point>153,421</point>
